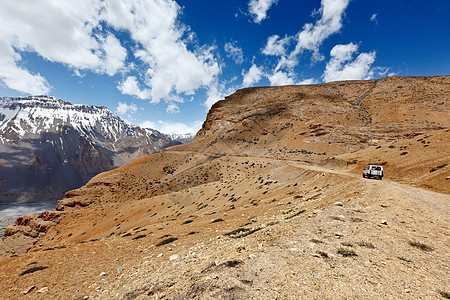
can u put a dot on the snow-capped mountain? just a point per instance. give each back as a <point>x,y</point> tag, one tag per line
<point>182,138</point>
<point>48,146</point>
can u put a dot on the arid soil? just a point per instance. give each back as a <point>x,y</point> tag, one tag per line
<point>261,206</point>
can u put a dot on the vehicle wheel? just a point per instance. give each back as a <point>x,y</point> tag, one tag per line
<point>381,177</point>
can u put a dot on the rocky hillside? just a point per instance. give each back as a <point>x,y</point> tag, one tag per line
<point>49,146</point>
<point>266,203</point>
<point>334,117</point>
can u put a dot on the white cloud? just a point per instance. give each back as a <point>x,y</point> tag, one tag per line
<point>170,66</point>
<point>235,52</point>
<point>330,22</point>
<point>80,35</point>
<point>17,78</point>
<point>307,81</point>
<point>253,75</point>
<point>169,127</point>
<point>172,108</point>
<point>59,31</point>
<point>374,19</point>
<point>281,78</point>
<point>276,46</point>
<point>130,87</point>
<point>124,108</point>
<point>214,94</point>
<point>258,9</point>
<point>342,66</point>
<point>309,38</point>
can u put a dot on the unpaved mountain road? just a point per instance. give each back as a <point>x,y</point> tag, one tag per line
<point>438,200</point>
<point>327,234</point>
<point>361,248</point>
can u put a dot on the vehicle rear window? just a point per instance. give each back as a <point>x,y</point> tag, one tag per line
<point>376,168</point>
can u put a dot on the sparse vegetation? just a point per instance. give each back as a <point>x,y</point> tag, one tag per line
<point>420,245</point>
<point>323,254</point>
<point>314,197</point>
<point>248,233</point>
<point>187,222</point>
<point>53,248</point>
<point>166,241</point>
<point>139,236</point>
<point>404,259</point>
<point>316,241</point>
<point>128,234</point>
<point>356,219</point>
<point>404,153</point>
<point>347,244</point>
<point>445,294</point>
<point>366,244</point>
<point>33,269</point>
<point>437,168</point>
<point>217,220</point>
<point>296,214</point>
<point>346,252</point>
<point>237,231</point>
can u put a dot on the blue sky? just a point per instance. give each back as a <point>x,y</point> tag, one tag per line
<point>163,63</point>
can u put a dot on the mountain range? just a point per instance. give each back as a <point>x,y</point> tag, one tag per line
<point>49,146</point>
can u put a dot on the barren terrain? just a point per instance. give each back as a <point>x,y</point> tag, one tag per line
<point>268,202</point>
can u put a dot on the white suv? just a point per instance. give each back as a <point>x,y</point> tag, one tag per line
<point>373,171</point>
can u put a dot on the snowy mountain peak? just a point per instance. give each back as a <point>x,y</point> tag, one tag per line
<point>49,146</point>
<point>34,115</point>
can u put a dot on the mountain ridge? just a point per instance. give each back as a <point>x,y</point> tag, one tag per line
<point>48,146</point>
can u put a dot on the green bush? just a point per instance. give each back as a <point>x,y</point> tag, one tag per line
<point>166,241</point>
<point>346,252</point>
<point>139,236</point>
<point>33,269</point>
<point>217,220</point>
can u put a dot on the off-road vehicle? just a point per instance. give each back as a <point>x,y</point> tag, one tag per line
<point>373,171</point>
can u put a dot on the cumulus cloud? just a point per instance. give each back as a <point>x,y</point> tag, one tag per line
<point>330,22</point>
<point>215,93</point>
<point>234,52</point>
<point>172,108</point>
<point>258,9</point>
<point>308,81</point>
<point>342,66</point>
<point>163,46</point>
<point>17,78</point>
<point>312,35</point>
<point>281,78</point>
<point>276,46</point>
<point>124,108</point>
<point>130,87</point>
<point>253,75</point>
<point>59,31</point>
<point>169,127</point>
<point>82,34</point>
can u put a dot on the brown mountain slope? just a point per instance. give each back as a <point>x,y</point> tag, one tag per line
<point>267,202</point>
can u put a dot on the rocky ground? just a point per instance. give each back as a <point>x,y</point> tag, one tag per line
<point>261,206</point>
<point>319,234</point>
